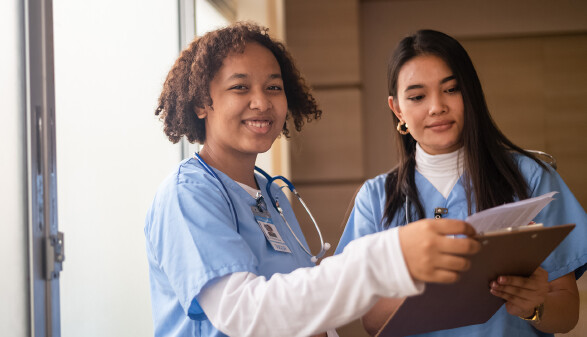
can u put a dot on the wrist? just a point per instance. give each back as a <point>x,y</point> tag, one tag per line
<point>536,316</point>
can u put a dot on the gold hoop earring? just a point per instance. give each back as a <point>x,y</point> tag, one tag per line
<point>402,128</point>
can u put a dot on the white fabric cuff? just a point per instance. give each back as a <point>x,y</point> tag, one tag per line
<point>406,280</point>
<point>311,300</point>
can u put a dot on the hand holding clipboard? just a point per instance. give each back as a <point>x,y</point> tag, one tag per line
<point>468,301</point>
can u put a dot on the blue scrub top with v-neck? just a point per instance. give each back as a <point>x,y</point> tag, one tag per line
<point>570,256</point>
<point>192,240</point>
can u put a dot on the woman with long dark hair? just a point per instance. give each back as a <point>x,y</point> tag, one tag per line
<point>454,161</point>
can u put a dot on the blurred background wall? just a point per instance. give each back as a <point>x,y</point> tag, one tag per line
<point>531,57</point>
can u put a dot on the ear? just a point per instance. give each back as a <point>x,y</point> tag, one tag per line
<point>394,106</point>
<point>201,113</point>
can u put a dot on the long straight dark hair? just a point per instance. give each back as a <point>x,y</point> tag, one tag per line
<point>491,176</point>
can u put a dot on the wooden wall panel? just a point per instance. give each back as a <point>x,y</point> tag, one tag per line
<point>330,149</point>
<point>511,74</point>
<point>536,88</point>
<point>565,77</point>
<point>323,36</point>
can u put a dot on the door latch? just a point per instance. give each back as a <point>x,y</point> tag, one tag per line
<point>55,255</point>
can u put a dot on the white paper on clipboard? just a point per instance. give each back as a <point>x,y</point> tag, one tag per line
<point>511,215</point>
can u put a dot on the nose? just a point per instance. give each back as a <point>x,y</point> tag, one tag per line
<point>260,101</point>
<point>437,105</point>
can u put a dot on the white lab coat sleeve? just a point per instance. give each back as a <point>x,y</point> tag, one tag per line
<point>311,300</point>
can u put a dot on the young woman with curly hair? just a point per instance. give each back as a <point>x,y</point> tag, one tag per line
<point>453,157</point>
<point>222,260</point>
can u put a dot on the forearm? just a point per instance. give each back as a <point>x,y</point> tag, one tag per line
<point>561,307</point>
<point>311,300</point>
<point>376,317</point>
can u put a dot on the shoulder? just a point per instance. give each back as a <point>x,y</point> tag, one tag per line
<point>372,195</point>
<point>531,170</point>
<point>525,163</point>
<point>374,187</point>
<point>187,174</point>
<point>188,184</point>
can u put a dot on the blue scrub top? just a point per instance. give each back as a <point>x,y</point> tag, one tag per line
<point>191,240</point>
<point>569,256</point>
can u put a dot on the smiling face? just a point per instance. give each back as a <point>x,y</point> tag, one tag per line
<point>429,101</point>
<point>249,106</point>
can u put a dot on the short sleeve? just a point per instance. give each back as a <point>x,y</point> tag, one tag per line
<point>191,230</point>
<point>571,254</point>
<point>365,218</point>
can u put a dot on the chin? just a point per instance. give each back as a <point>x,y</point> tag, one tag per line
<point>261,145</point>
<point>261,148</point>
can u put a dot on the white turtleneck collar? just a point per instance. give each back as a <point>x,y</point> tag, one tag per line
<point>442,170</point>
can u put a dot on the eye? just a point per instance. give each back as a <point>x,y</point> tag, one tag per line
<point>238,87</point>
<point>274,88</point>
<point>453,90</point>
<point>416,98</point>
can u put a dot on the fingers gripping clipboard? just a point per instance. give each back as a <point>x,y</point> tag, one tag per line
<point>468,301</point>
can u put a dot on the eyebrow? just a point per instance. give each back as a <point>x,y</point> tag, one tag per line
<point>419,86</point>
<point>237,76</point>
<point>449,78</point>
<point>240,75</point>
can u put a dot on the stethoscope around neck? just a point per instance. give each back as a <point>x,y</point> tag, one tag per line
<point>324,246</point>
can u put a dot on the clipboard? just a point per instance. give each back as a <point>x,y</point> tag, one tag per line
<point>468,301</point>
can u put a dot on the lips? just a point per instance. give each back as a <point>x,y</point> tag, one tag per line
<point>440,125</point>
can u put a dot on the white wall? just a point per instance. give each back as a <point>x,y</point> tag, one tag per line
<point>208,18</point>
<point>111,58</point>
<point>14,306</point>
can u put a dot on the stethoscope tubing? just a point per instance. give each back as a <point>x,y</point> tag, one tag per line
<point>324,246</point>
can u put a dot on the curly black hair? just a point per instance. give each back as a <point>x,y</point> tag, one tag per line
<point>187,85</point>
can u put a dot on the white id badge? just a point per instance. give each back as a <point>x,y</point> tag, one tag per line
<point>264,220</point>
